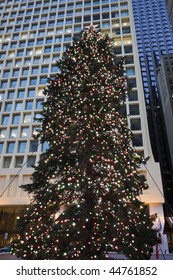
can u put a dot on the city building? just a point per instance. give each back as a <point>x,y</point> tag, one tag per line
<point>33,35</point>
<point>169,4</point>
<point>155,39</point>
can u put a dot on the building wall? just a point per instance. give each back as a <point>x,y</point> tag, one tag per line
<point>170,10</point>
<point>33,35</point>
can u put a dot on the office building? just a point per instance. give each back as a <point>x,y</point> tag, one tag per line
<point>169,4</point>
<point>33,35</point>
<point>155,39</point>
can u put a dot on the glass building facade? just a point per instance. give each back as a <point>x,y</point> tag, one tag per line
<point>154,35</point>
<point>33,36</point>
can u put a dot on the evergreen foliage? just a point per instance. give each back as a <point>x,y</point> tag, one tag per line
<point>86,187</point>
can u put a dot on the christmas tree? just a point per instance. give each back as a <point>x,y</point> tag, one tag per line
<point>86,186</point>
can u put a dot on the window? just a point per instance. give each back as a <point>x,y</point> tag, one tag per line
<point>5,120</point>
<point>10,94</point>
<point>4,84</point>
<point>1,148</point>
<point>39,41</point>
<point>33,146</point>
<point>43,80</point>
<point>45,146</point>
<point>25,132</point>
<point>31,43</point>
<point>8,107</point>
<point>20,94</point>
<point>3,133</point>
<point>22,44</point>
<point>36,60</point>
<point>18,106</point>
<point>48,40</point>
<point>31,93</point>
<point>16,119</point>
<point>35,70</point>
<point>23,82</point>
<point>44,69</point>
<point>31,161</point>
<point>57,48</point>
<point>134,109</point>
<point>33,81</point>
<point>10,147</point>
<point>13,133</point>
<point>6,73</point>
<point>29,105</point>
<point>16,72</point>
<point>135,124</point>
<point>20,53</point>
<point>130,71</point>
<point>47,49</point>
<point>37,117</point>
<point>39,104</point>
<point>27,118</point>
<point>19,162</point>
<point>13,83</point>
<point>137,140</point>
<point>22,147</point>
<point>54,68</point>
<point>25,71</point>
<point>7,162</point>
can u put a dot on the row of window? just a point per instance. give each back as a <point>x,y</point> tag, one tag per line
<point>29,105</point>
<point>19,132</point>
<point>21,93</point>
<point>22,147</point>
<point>23,82</point>
<point>18,119</point>
<point>19,19</point>
<point>70,4</point>
<point>19,161</point>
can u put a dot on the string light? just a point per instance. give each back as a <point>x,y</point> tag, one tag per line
<point>86,186</point>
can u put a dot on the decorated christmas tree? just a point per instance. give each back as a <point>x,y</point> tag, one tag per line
<point>86,187</point>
